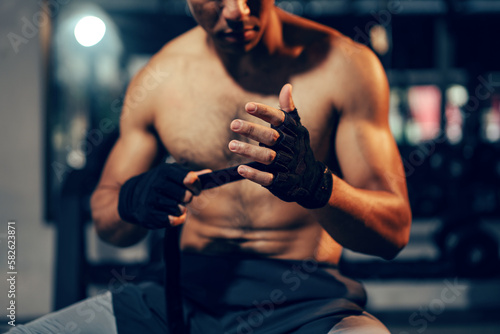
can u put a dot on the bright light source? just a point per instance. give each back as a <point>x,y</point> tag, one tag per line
<point>89,30</point>
<point>379,39</point>
<point>457,95</point>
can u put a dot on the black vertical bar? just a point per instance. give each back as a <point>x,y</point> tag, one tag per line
<point>70,255</point>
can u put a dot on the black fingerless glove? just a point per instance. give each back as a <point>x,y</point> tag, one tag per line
<point>298,177</point>
<point>149,198</point>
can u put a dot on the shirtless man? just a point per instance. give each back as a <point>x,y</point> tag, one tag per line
<point>218,102</point>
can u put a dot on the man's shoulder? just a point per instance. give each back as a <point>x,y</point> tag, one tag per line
<point>361,76</point>
<point>338,48</point>
<point>345,55</point>
<point>179,57</point>
<point>190,44</point>
<point>173,59</point>
<point>342,50</point>
<point>353,67</point>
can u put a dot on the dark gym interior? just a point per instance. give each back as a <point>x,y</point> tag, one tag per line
<point>60,104</point>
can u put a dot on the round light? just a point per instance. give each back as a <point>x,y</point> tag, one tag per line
<point>457,95</point>
<point>89,30</point>
<point>379,39</point>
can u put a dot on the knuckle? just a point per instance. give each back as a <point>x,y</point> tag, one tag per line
<point>269,179</point>
<point>245,149</point>
<point>174,221</point>
<point>248,129</point>
<point>189,179</point>
<point>188,197</point>
<point>251,174</point>
<point>271,155</point>
<point>273,137</point>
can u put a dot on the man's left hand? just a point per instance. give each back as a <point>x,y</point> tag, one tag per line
<point>291,172</point>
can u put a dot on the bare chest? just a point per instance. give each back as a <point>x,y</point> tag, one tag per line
<point>194,122</point>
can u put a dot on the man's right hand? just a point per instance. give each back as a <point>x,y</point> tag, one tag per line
<point>155,199</point>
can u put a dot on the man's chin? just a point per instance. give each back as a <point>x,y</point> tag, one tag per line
<point>236,47</point>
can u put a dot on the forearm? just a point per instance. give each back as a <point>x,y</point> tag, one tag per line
<point>108,224</point>
<point>367,221</point>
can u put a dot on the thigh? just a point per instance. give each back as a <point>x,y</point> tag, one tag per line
<point>92,315</point>
<point>347,322</point>
<point>365,323</point>
<point>140,309</point>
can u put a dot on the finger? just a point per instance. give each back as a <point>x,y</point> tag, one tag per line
<point>285,98</point>
<point>257,176</point>
<point>203,171</point>
<point>266,113</point>
<point>188,197</point>
<point>174,221</point>
<point>257,132</point>
<point>220,177</point>
<point>192,182</point>
<point>256,153</point>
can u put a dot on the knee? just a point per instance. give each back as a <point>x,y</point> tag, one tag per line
<point>364,323</point>
<point>19,329</point>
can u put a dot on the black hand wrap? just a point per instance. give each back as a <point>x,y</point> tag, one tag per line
<point>149,198</point>
<point>298,177</point>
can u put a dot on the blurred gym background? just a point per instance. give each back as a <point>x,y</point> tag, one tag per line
<point>64,68</point>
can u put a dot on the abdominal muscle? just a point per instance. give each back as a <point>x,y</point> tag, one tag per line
<point>245,218</point>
